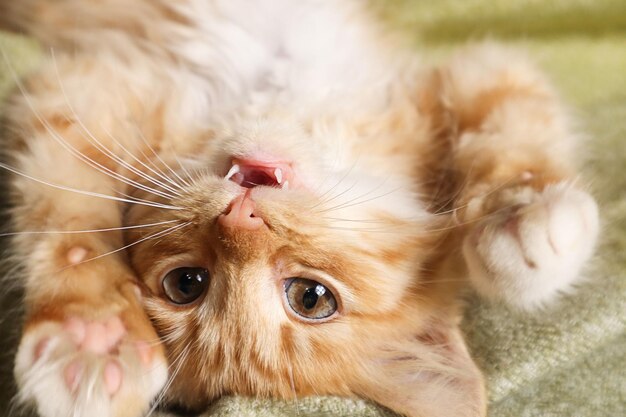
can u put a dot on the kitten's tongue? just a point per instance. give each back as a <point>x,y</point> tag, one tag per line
<point>250,173</point>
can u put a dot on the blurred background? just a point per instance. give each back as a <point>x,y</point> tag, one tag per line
<point>569,360</point>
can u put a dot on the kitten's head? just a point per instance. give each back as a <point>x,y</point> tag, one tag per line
<point>282,258</point>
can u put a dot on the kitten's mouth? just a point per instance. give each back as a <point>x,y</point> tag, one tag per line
<point>250,173</point>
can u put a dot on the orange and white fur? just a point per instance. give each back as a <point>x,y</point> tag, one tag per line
<point>260,144</point>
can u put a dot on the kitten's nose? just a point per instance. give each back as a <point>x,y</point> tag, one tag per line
<point>240,214</point>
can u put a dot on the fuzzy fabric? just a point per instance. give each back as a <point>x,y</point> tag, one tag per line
<point>568,360</point>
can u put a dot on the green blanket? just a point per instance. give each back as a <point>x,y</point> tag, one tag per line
<point>569,360</point>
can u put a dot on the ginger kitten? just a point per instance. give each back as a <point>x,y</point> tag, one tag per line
<point>274,199</point>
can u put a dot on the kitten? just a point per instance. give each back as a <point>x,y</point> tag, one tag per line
<point>275,199</point>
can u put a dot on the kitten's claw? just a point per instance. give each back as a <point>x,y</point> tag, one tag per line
<point>533,248</point>
<point>88,368</point>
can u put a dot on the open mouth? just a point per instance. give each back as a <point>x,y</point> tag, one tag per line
<point>250,173</point>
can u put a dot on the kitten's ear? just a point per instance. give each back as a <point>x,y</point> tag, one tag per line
<point>430,375</point>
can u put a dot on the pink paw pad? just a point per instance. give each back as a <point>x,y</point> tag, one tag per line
<point>72,375</point>
<point>145,352</point>
<point>112,377</point>
<point>527,176</point>
<point>41,347</point>
<point>102,338</point>
<point>76,255</point>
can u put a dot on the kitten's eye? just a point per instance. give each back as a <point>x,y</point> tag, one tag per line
<point>184,285</point>
<point>310,299</point>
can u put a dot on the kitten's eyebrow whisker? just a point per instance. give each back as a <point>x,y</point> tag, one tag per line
<point>143,239</point>
<point>68,232</point>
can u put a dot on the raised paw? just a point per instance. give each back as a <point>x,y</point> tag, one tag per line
<point>533,246</point>
<point>89,368</point>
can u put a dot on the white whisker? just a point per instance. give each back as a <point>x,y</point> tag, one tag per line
<point>152,236</point>
<point>345,175</point>
<point>486,194</point>
<point>354,201</point>
<point>187,174</point>
<point>331,198</point>
<point>67,232</point>
<point>87,193</point>
<point>145,141</point>
<point>199,173</point>
<point>369,221</point>
<point>102,148</point>
<point>178,363</point>
<point>130,167</point>
<point>133,198</point>
<point>73,151</point>
<point>139,172</point>
<point>368,230</point>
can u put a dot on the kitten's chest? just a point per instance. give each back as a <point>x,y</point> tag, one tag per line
<point>281,52</point>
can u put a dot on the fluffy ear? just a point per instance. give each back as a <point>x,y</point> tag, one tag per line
<point>429,375</point>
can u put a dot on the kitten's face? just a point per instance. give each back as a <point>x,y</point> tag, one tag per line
<point>261,289</point>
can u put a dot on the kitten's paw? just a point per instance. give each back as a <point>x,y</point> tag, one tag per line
<point>83,368</point>
<point>534,246</point>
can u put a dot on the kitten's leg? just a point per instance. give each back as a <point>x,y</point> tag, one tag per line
<point>88,348</point>
<point>530,227</point>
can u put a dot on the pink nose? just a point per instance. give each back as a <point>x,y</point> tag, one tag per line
<point>240,213</point>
